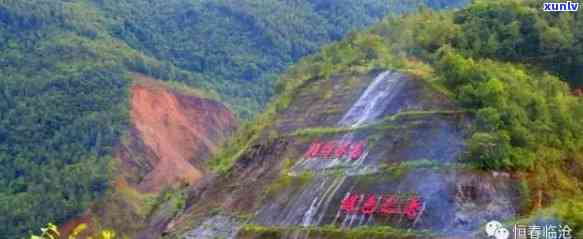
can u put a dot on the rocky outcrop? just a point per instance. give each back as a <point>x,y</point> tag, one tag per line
<point>414,148</point>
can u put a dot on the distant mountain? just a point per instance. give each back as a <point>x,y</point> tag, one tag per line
<point>241,46</point>
<point>423,126</point>
<point>65,80</point>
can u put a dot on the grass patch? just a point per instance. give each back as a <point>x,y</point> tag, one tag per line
<point>397,170</point>
<point>285,180</point>
<point>319,131</point>
<point>383,124</point>
<point>143,203</point>
<point>331,232</point>
<point>421,114</point>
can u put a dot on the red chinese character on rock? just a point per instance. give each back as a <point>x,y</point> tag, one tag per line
<point>348,204</point>
<point>327,149</point>
<point>356,150</point>
<point>313,150</point>
<point>413,207</point>
<point>370,205</point>
<point>341,150</point>
<point>389,205</point>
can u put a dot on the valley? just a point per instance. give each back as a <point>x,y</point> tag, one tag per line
<point>289,119</point>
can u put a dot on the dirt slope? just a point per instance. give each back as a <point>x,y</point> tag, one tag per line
<point>172,135</point>
<point>180,131</point>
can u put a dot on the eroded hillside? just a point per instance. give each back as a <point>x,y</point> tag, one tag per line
<point>173,133</point>
<point>181,131</point>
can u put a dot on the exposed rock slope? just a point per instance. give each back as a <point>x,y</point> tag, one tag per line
<point>412,140</point>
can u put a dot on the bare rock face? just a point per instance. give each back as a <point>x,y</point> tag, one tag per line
<point>219,226</point>
<point>414,143</point>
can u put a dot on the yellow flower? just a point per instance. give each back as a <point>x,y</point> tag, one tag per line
<point>107,234</point>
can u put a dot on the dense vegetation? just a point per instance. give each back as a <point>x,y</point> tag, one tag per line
<point>522,107</point>
<point>62,107</point>
<point>64,79</point>
<point>240,46</point>
<point>507,63</point>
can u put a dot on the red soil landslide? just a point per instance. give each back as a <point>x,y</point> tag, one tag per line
<point>172,134</point>
<point>179,130</point>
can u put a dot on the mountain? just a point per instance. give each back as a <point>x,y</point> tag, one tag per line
<point>410,129</point>
<point>69,69</point>
<point>426,125</point>
<point>241,46</point>
<point>173,131</point>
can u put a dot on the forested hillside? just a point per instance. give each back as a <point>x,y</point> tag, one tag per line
<point>63,107</point>
<point>240,46</point>
<point>64,79</point>
<point>507,61</point>
<point>510,67</point>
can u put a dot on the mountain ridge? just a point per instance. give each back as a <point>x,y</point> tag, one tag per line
<point>506,169</point>
<point>65,83</point>
<point>508,108</point>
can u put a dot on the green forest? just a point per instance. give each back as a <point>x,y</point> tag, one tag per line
<point>522,101</point>
<point>231,44</point>
<point>64,79</point>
